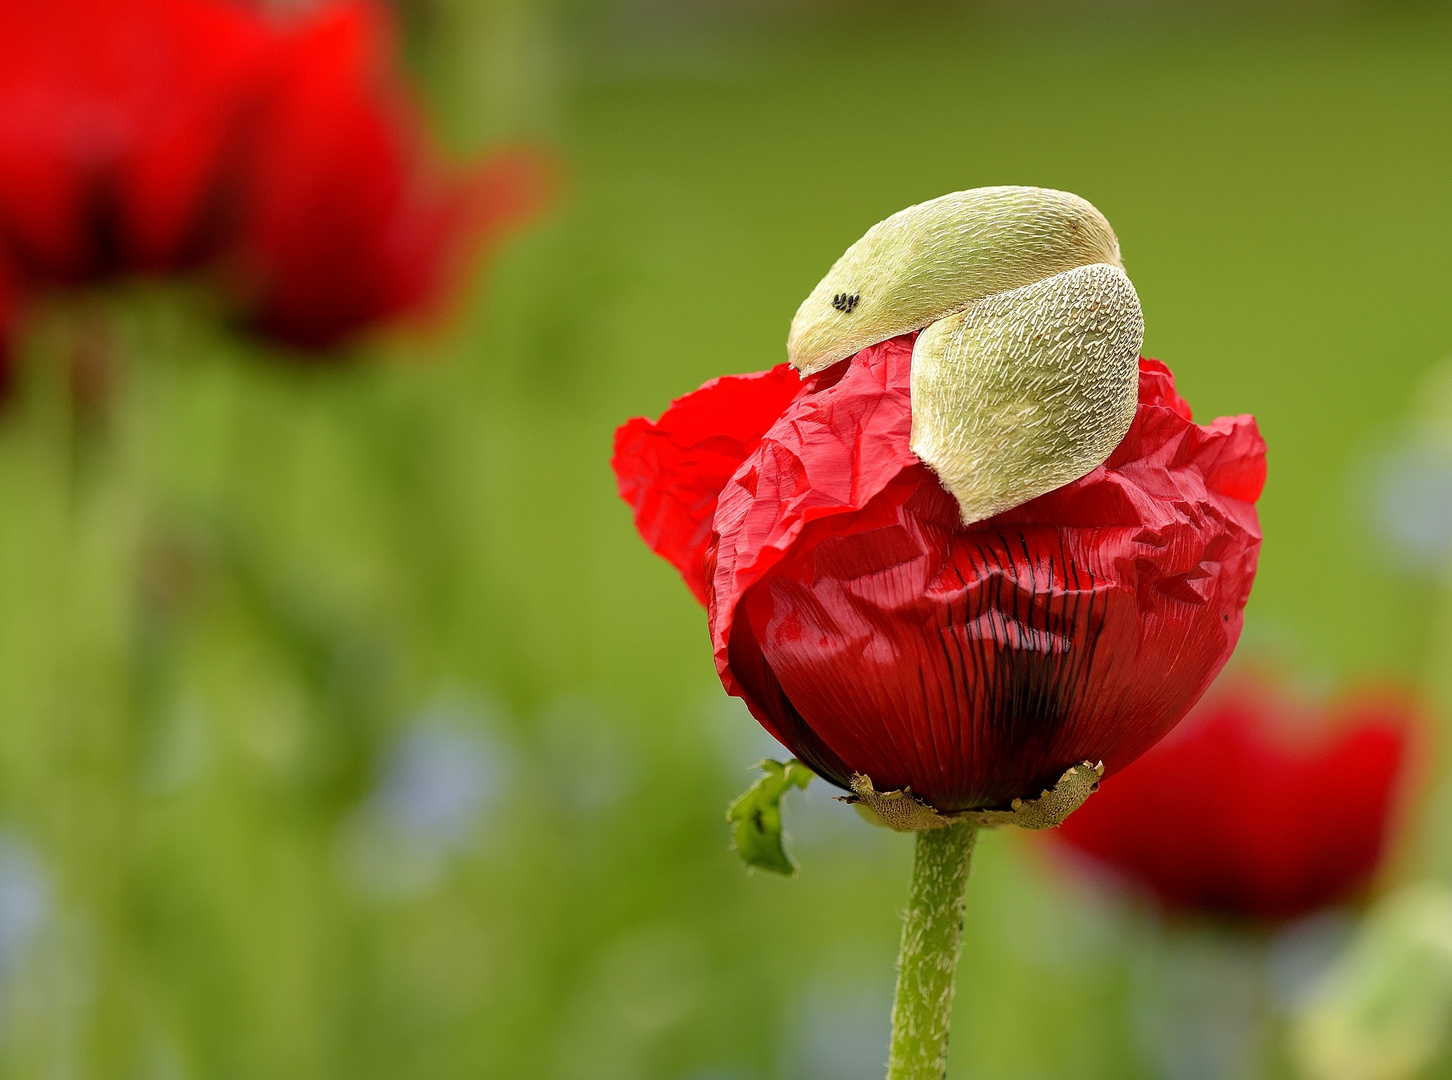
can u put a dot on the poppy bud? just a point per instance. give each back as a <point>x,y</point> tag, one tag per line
<point>970,544</point>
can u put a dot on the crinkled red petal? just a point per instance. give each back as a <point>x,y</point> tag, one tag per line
<point>671,471</point>
<point>1230,815</point>
<point>871,632</point>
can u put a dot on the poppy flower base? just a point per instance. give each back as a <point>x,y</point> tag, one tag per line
<point>901,811</point>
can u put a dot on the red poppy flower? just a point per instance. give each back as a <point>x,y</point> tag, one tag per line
<point>349,219</point>
<point>870,631</point>
<point>1259,806</point>
<point>123,124</point>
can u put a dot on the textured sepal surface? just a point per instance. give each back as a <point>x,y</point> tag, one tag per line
<point>903,812</point>
<point>1026,391</point>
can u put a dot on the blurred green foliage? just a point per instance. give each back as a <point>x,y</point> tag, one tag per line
<point>235,589</point>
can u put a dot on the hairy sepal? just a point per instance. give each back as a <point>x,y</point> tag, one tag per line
<point>1029,390</point>
<point>901,811</point>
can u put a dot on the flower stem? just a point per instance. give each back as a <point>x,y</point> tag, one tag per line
<point>932,940</point>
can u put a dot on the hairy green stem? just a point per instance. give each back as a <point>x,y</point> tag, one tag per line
<point>932,940</point>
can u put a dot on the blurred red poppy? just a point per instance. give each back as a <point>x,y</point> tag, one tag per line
<point>350,219</point>
<point>123,127</point>
<point>153,136</point>
<point>1259,806</point>
<point>871,632</point>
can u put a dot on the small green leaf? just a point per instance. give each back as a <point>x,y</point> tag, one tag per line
<point>756,816</point>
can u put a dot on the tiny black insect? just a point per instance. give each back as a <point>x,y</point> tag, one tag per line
<point>845,303</point>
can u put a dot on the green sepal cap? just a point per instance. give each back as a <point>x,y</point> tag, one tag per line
<point>755,817</point>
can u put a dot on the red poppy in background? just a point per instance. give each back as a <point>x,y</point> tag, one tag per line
<point>871,632</point>
<point>350,219</point>
<point>1258,806</point>
<point>155,136</point>
<point>124,129</point>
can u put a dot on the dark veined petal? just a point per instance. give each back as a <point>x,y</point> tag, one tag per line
<point>671,471</point>
<point>829,453</point>
<point>870,632</point>
<point>1257,806</point>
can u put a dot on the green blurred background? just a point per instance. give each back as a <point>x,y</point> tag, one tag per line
<point>350,731</point>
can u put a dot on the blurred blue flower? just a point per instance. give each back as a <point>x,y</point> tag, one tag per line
<point>439,782</point>
<point>842,1032</point>
<point>1301,953</point>
<point>739,739</point>
<point>815,819</point>
<point>1196,1004</point>
<point>441,776</point>
<point>25,900</point>
<point>1411,503</point>
<point>811,819</point>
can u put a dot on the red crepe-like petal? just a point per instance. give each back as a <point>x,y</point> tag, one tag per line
<point>1234,814</point>
<point>350,219</point>
<point>1157,387</point>
<point>831,453</point>
<point>122,126</point>
<point>672,470</point>
<point>869,631</point>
